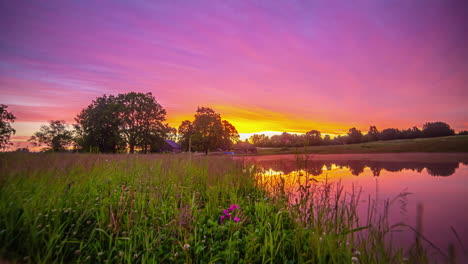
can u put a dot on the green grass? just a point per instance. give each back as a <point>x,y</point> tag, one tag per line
<point>72,208</point>
<point>440,144</point>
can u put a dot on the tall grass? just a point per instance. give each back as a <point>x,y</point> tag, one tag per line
<point>62,208</point>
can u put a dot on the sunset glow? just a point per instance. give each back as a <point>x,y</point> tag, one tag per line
<point>263,65</point>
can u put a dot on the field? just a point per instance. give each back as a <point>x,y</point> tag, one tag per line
<point>440,144</point>
<point>66,208</point>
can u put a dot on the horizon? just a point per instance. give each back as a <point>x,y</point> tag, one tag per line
<point>265,67</point>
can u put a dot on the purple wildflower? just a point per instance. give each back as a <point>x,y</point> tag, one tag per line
<point>225,212</point>
<point>236,219</point>
<point>233,207</point>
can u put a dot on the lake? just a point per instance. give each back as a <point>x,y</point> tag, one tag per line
<point>435,183</point>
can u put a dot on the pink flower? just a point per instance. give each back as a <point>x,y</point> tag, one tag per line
<point>225,212</point>
<point>233,207</point>
<point>236,219</point>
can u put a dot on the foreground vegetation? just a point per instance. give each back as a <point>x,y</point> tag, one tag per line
<point>439,144</point>
<point>62,208</point>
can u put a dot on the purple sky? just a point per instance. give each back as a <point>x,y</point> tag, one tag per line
<point>264,65</point>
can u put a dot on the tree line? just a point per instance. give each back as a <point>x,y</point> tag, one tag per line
<point>354,136</point>
<point>133,122</point>
<point>127,122</point>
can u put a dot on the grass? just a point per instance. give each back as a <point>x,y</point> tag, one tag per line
<point>440,144</point>
<point>71,208</point>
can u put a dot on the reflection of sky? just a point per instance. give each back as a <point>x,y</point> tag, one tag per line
<point>282,66</point>
<point>443,198</point>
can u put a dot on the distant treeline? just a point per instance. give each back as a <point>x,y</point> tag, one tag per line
<point>314,137</point>
<point>135,122</point>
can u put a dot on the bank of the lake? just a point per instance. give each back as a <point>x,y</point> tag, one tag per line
<point>432,145</point>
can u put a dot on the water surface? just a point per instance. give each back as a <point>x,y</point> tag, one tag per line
<point>438,182</point>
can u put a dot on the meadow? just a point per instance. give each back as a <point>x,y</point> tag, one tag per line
<point>85,208</point>
<point>457,143</point>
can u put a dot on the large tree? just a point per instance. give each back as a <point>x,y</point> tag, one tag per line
<point>114,123</point>
<point>98,126</point>
<point>207,132</point>
<point>56,136</point>
<point>6,131</point>
<point>208,129</point>
<point>142,120</point>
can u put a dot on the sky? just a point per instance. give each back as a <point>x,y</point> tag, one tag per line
<point>263,65</point>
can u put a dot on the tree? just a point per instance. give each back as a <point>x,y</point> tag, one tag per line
<point>186,130</point>
<point>261,140</point>
<point>230,135</point>
<point>437,129</point>
<point>354,136</point>
<point>207,132</point>
<point>142,120</point>
<point>390,134</point>
<point>373,134</point>
<point>55,136</point>
<point>6,131</point>
<point>208,129</point>
<point>313,138</point>
<point>98,126</point>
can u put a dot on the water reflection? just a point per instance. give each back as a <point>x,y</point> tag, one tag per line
<point>380,178</point>
<point>356,167</point>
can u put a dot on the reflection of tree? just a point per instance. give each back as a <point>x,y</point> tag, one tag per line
<point>441,169</point>
<point>315,167</point>
<point>375,171</point>
<point>357,167</point>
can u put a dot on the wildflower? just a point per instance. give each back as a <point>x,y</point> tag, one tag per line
<point>100,253</point>
<point>135,256</point>
<point>233,207</point>
<point>354,260</point>
<point>121,254</point>
<point>187,247</point>
<point>176,254</point>
<point>236,219</point>
<point>357,253</point>
<point>88,222</point>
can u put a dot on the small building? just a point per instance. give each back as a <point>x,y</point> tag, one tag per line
<point>244,147</point>
<point>171,146</point>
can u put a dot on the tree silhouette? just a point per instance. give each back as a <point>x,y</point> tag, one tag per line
<point>6,131</point>
<point>142,120</point>
<point>437,129</point>
<point>98,126</point>
<point>207,132</point>
<point>354,136</point>
<point>55,136</point>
